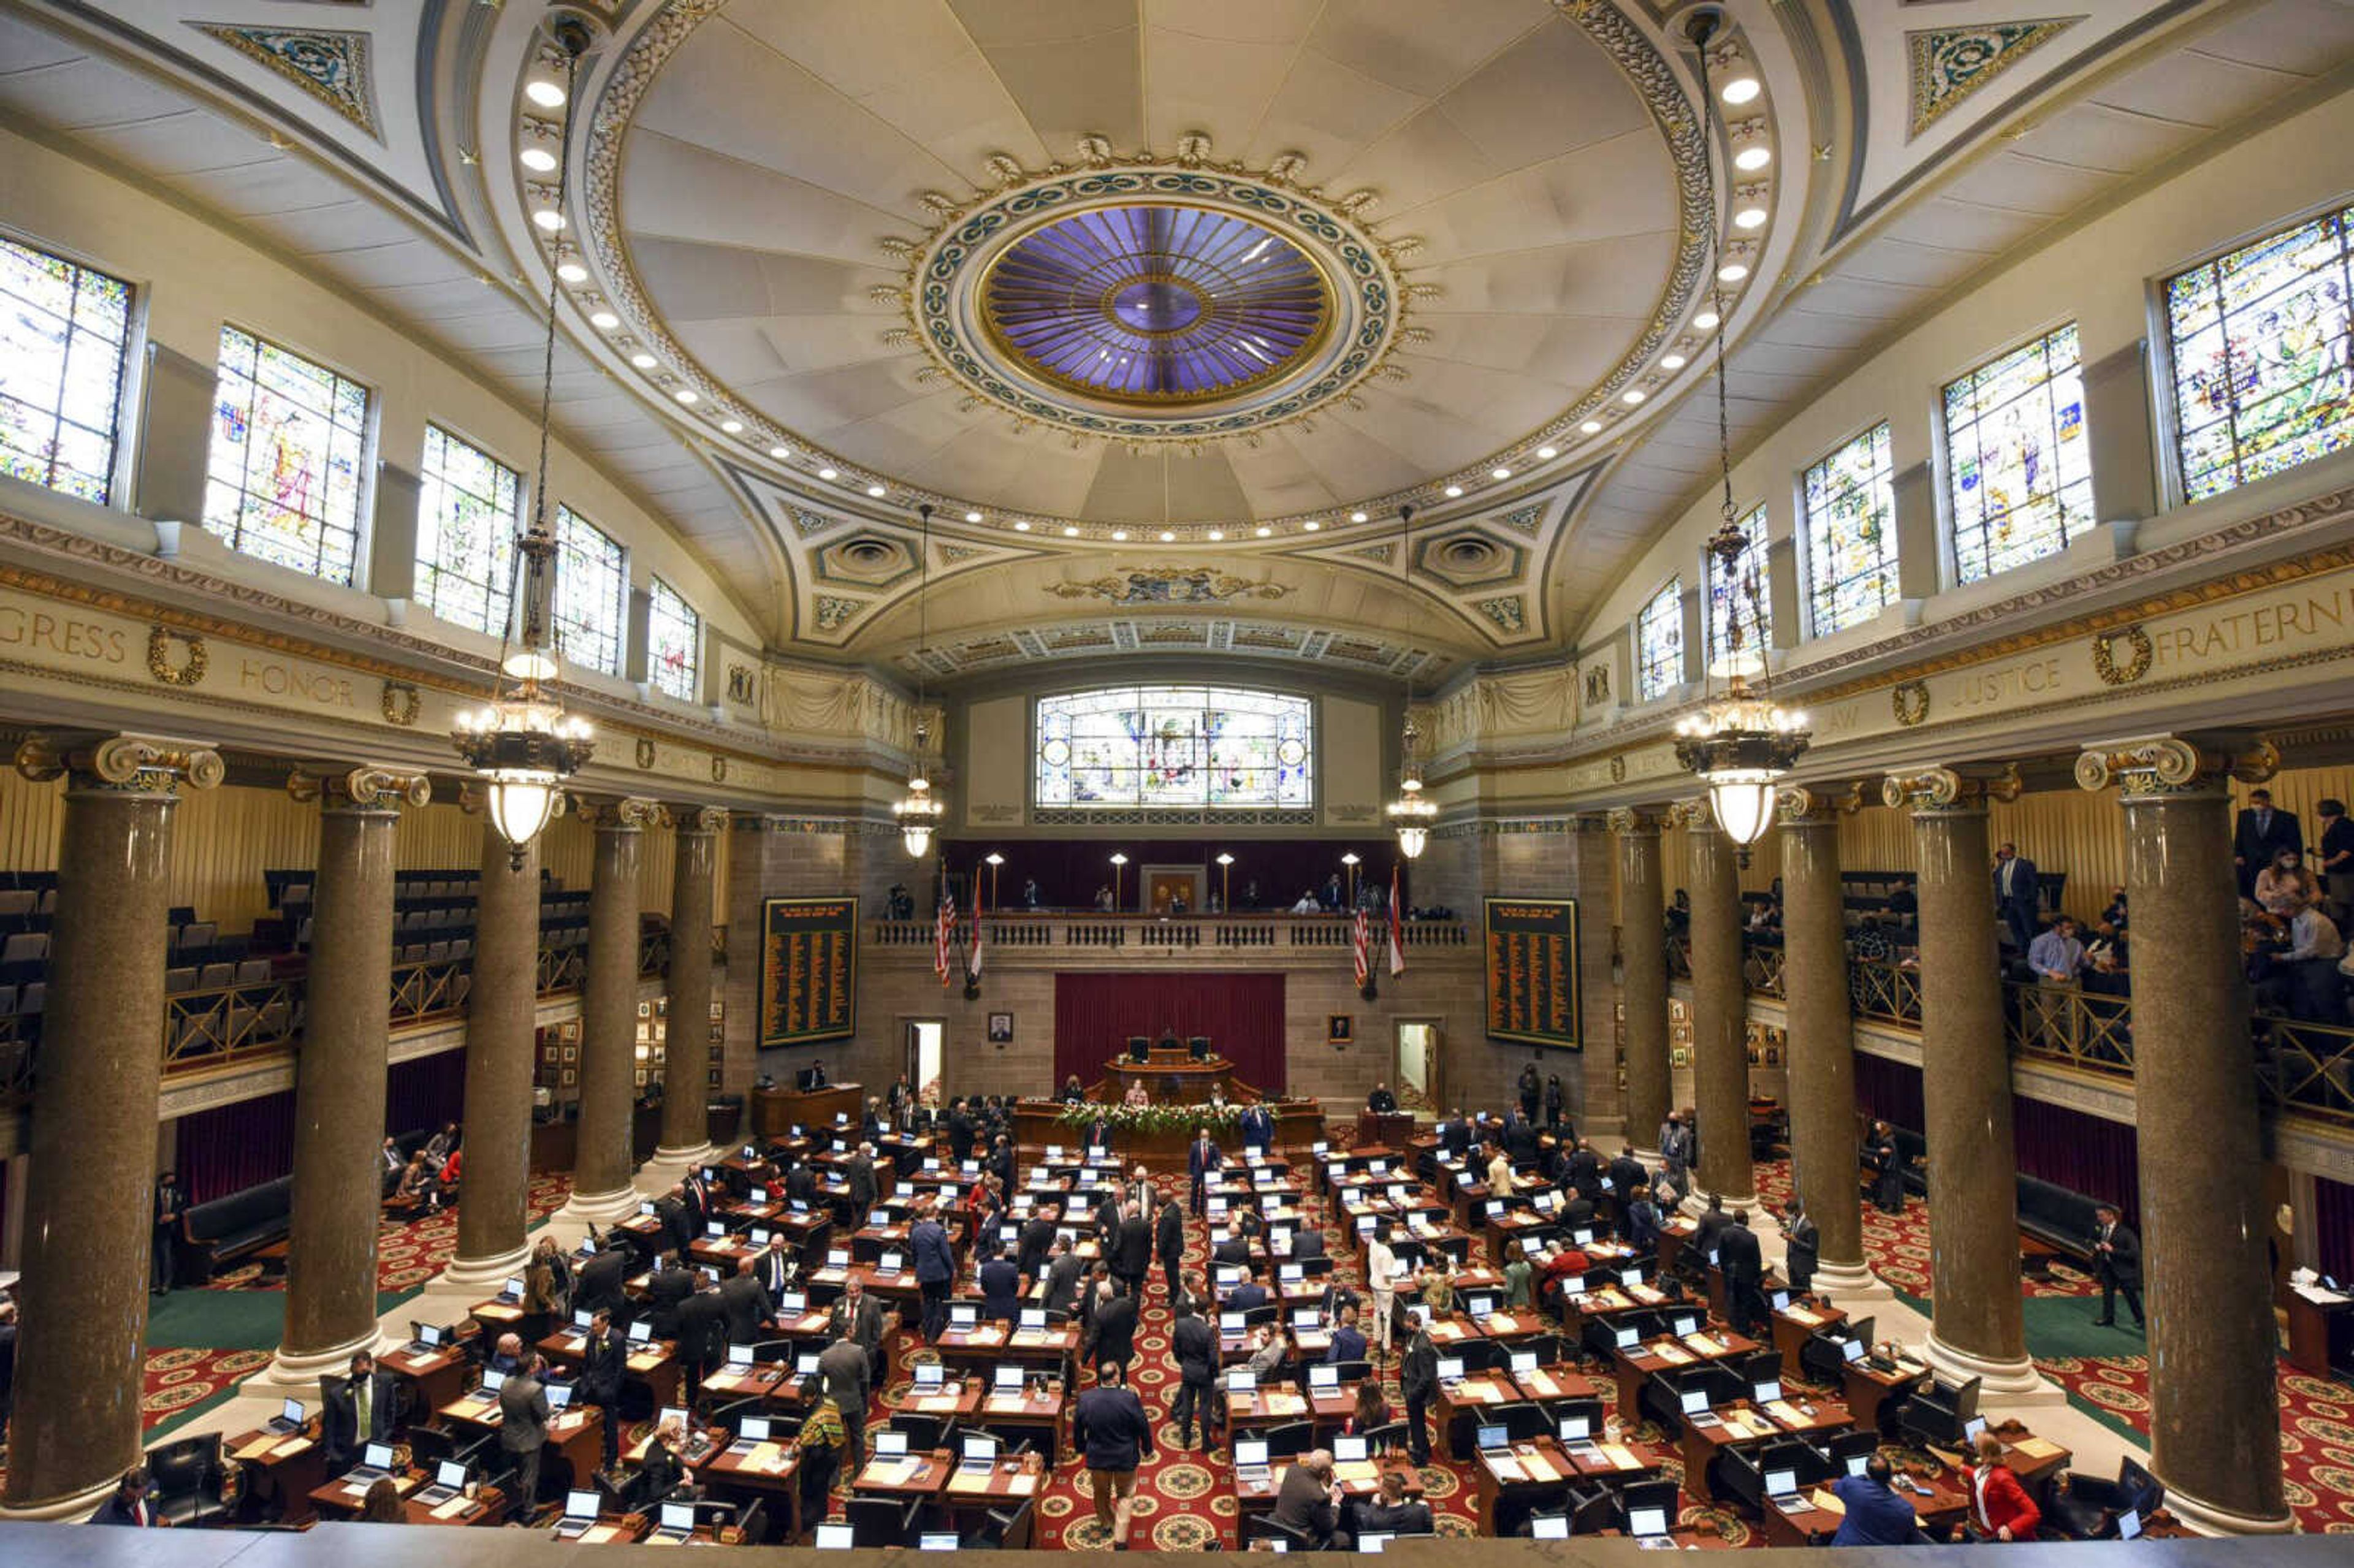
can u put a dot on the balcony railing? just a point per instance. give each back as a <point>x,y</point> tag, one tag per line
<point>1761,970</point>
<point>1152,934</point>
<point>1886,989</point>
<point>2089,1030</point>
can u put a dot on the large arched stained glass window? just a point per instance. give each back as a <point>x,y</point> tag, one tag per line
<point>2259,340</point>
<point>1747,595</point>
<point>2021,483</point>
<point>1208,746</point>
<point>1659,642</point>
<point>1851,510</point>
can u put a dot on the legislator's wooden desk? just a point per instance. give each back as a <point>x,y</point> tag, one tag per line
<point>776,1112</point>
<point>1393,1130</point>
<point>1171,1077</point>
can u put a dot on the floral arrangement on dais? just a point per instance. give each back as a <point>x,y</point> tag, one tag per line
<point>1150,1119</point>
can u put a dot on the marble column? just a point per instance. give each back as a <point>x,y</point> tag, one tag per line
<point>1720,1014</point>
<point>502,1008</point>
<point>686,1088</point>
<point>339,1074</point>
<point>604,1161</point>
<point>1643,975</point>
<point>2214,1423</point>
<point>1821,1037</point>
<point>89,1214</point>
<point>1977,1329</point>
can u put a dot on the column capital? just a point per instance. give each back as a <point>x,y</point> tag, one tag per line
<point>697,818</point>
<point>1936,792</point>
<point>1631,822</point>
<point>1693,815</point>
<point>2154,765</point>
<point>619,813</point>
<point>121,764</point>
<point>1799,806</point>
<point>367,788</point>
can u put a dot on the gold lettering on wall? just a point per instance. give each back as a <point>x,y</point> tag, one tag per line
<point>63,635</point>
<point>276,678</point>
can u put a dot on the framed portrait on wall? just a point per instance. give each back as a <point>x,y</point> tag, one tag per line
<point>1340,1028</point>
<point>1679,1056</point>
<point>1000,1029</point>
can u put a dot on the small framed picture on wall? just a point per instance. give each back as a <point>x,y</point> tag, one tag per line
<point>1000,1029</point>
<point>1679,1056</point>
<point>1340,1028</point>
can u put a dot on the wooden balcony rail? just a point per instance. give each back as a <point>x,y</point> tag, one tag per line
<point>224,1023</point>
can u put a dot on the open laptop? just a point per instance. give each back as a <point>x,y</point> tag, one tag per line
<point>750,1433</point>
<point>1242,1380</point>
<point>1450,1369</point>
<point>939,1541</point>
<point>376,1463</point>
<point>424,1338</point>
<point>1374,1540</point>
<point>1524,1361</point>
<point>928,1375</point>
<point>1766,1391</point>
<point>677,1524</point>
<point>1852,1351</point>
<point>449,1480</point>
<point>289,1417</point>
<point>964,1315</point>
<point>1494,1438</point>
<point>1251,1460</point>
<point>1351,1450</point>
<point>1625,1336</point>
<point>890,1445</point>
<point>641,1331</point>
<point>559,1394</point>
<point>1549,1526</point>
<point>1576,1430</point>
<point>1323,1375</point>
<point>580,1510</point>
<point>1781,1484</point>
<point>980,1453</point>
<point>835,1538</point>
<point>1647,1524</point>
<point>1692,1401</point>
<point>1006,1379</point>
<point>2129,1524</point>
<point>511,1293</point>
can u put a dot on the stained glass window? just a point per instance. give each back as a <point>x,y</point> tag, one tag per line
<point>2020,479</point>
<point>592,593</point>
<point>1851,534</point>
<point>674,642</point>
<point>1659,642</point>
<point>63,332</point>
<point>1750,591</point>
<point>283,476</point>
<point>1175,745</point>
<point>468,510</point>
<point>2262,380</point>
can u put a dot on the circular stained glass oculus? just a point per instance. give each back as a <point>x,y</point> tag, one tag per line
<point>1156,303</point>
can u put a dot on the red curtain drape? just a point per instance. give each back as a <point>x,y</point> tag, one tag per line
<point>2333,1223</point>
<point>1242,1015</point>
<point>1889,1090</point>
<point>2082,1153</point>
<point>425,1093</point>
<point>236,1146</point>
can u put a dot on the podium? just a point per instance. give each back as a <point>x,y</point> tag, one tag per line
<point>1383,1129</point>
<point>1171,1078</point>
<point>776,1111</point>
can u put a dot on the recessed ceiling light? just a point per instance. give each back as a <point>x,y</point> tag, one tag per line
<point>781,454</point>
<point>1742,90</point>
<point>1749,160</point>
<point>539,160</point>
<point>876,490</point>
<point>1732,272</point>
<point>1704,322</point>
<point>1356,517</point>
<point>1454,490</point>
<point>603,321</point>
<point>1018,527</point>
<point>1592,427</point>
<point>827,473</point>
<point>731,426</point>
<point>549,218</point>
<point>1119,535</point>
<point>1167,538</point>
<point>1749,218</point>
<point>686,395</point>
<point>572,271</point>
<point>1632,396</point>
<point>1672,362</point>
<point>1217,535</point>
<point>1263,532</point>
<point>547,94</point>
<point>1499,473</point>
<point>1312,525</point>
<point>1546,454</point>
<point>647,361</point>
<point>1070,533</point>
<point>975,517</point>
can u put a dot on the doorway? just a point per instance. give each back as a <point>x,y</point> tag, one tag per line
<point>1173,889</point>
<point>1417,1078</point>
<point>923,1054</point>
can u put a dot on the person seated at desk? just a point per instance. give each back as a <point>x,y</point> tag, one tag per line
<point>1249,1294</point>
<point>1393,1513</point>
<point>1876,1515</point>
<point>1348,1339</point>
<point>2000,1509</point>
<point>815,1078</point>
<point>1372,1412</point>
<point>662,1466</point>
<point>1381,1102</point>
<point>1308,1502</point>
<point>507,1354</point>
<point>129,1504</point>
<point>383,1504</point>
<point>1072,1093</point>
<point>1271,1351</point>
<point>1137,1098</point>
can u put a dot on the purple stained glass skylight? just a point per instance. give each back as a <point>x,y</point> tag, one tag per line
<point>1157,303</point>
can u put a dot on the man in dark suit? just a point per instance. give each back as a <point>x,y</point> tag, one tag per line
<point>858,1170</point>
<point>800,1184</point>
<point>523,1416</point>
<point>1520,1138</point>
<point>1713,1222</point>
<point>603,1281</point>
<point>1381,1102</point>
<point>2262,832</point>
<point>2018,895</point>
<point>1418,1382</point>
<point>1202,1161</point>
<point>1257,1127</point>
<point>775,1270</point>
<point>678,1228</point>
<point>1132,1251</point>
<point>858,1318</point>
<point>604,1364</point>
<point>744,1302</point>
<point>2116,1264</point>
<point>701,1335</point>
<point>1626,1174</point>
<point>1000,1287</point>
<point>1348,1339</point>
<point>1037,1239</point>
<point>1114,1436</point>
<point>130,1505</point>
<point>695,1192</point>
<point>844,1373</point>
<point>1455,1134</point>
<point>1111,1337</point>
<point>669,1286</point>
<point>170,1198</point>
<point>1308,1502</point>
<point>1582,1171</point>
<point>357,1409</point>
<point>1106,1221</point>
<point>1249,1295</point>
<point>1307,1242</point>
<point>1392,1512</point>
<point>1064,1272</point>
<point>1886,1159</point>
<point>1169,1242</point>
<point>1196,1344</point>
<point>936,1268</point>
<point>959,1130</point>
<point>1744,1264</point>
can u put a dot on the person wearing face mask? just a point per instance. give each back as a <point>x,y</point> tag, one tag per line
<point>2260,835</point>
<point>2285,886</point>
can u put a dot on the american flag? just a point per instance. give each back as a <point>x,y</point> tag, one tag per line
<point>1362,943</point>
<point>1397,929</point>
<point>944,928</point>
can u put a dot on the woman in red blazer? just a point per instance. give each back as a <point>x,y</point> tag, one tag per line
<point>2000,1509</point>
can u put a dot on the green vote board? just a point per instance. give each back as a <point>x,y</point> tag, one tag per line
<point>808,969</point>
<point>1531,964</point>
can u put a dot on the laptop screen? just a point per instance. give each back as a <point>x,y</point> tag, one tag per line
<point>1576,1428</point>
<point>980,1446</point>
<point>740,1355</point>
<point>1765,1392</point>
<point>1524,1361</point>
<point>1781,1483</point>
<point>580,1505</point>
<point>928,1374</point>
<point>559,1394</point>
<point>514,1287</point>
<point>1856,1463</point>
<point>835,1538</point>
<point>1305,1318</point>
<point>678,1516</point>
<point>1695,1400</point>
<point>1480,1305</point>
<point>429,1334</point>
<point>1350,1450</point>
<point>1033,1316</point>
<point>1241,1380</point>
<point>1626,1337</point>
<point>1250,1451</point>
<point>890,1445</point>
<point>837,1257</point>
<point>291,1412</point>
<point>1494,1438</point>
<point>1549,1526</point>
<point>1781,1299</point>
<point>937,1540</point>
<point>450,1473</point>
<point>752,1428</point>
<point>805,1364</point>
<point>378,1457</point>
<point>1324,1375</point>
<point>1643,1522</point>
<point>1630,1277</point>
<point>671,1413</point>
<point>2129,1524</point>
<point>1450,1368</point>
<point>792,1301</point>
<point>1373,1541</point>
<point>1852,1351</point>
<point>1685,1323</point>
<point>493,1381</point>
<point>1008,1377</point>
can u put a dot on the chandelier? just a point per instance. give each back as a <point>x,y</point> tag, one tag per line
<point>1741,742</point>
<point>523,746</point>
<point>1410,814</point>
<point>917,812</point>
